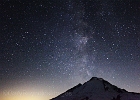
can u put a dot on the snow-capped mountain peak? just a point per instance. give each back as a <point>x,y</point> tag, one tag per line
<point>97,89</point>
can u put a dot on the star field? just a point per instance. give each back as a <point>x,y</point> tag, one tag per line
<point>56,44</point>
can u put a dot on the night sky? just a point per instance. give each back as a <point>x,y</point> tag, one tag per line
<point>52,45</point>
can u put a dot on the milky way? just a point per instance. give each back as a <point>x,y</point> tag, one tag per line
<point>56,44</point>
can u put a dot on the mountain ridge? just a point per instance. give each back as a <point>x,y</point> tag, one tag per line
<point>97,89</point>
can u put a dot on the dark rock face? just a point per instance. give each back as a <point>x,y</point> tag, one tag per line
<point>117,98</point>
<point>97,89</point>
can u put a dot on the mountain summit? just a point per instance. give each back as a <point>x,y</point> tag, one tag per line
<point>97,89</point>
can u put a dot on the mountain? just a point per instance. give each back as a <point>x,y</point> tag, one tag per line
<point>97,89</point>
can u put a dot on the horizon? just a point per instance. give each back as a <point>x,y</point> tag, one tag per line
<point>31,94</point>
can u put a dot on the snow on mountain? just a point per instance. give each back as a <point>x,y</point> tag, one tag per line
<point>97,89</point>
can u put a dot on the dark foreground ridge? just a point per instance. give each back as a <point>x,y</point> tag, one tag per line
<point>97,89</point>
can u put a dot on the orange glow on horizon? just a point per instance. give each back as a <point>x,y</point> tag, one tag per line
<point>27,92</point>
<point>23,98</point>
<point>27,97</point>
